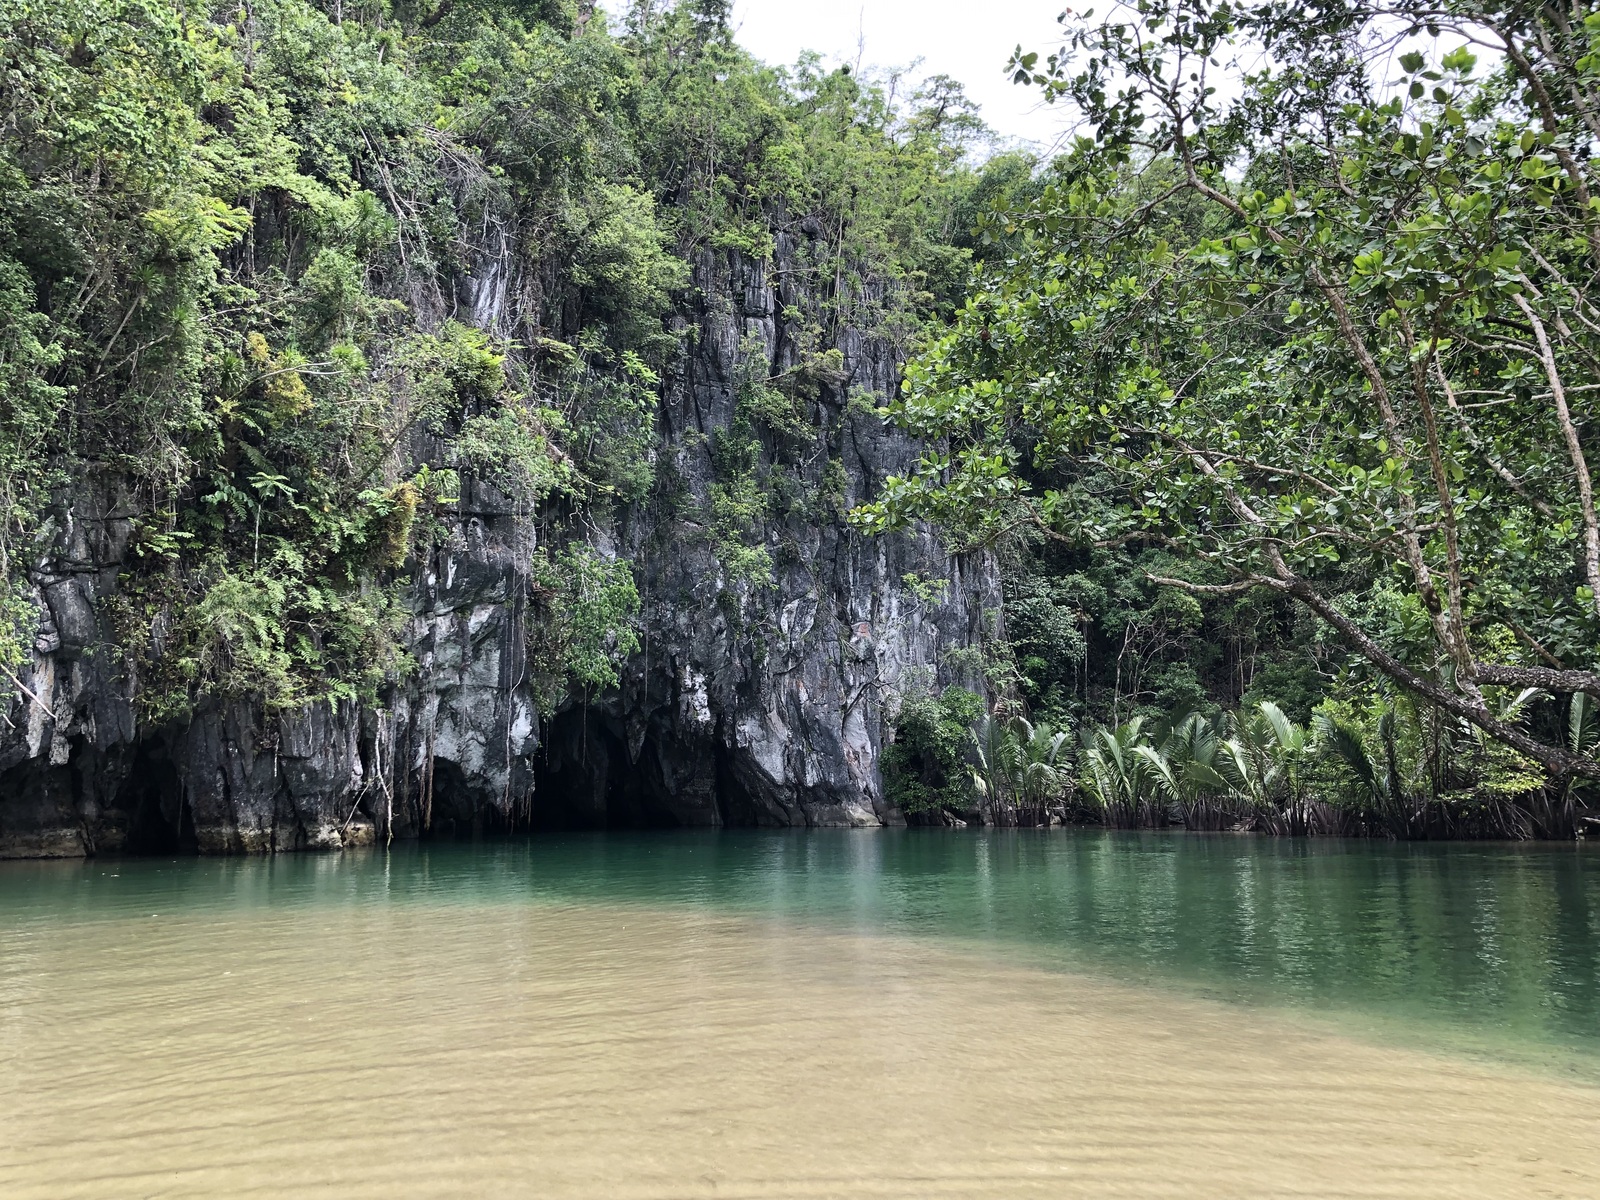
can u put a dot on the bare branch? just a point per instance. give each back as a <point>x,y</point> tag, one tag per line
<point>1569,433</point>
<point>1548,678</point>
<point>1208,589</point>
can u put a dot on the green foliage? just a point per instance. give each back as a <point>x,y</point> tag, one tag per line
<point>1264,754</point>
<point>513,448</point>
<point>1233,770</point>
<point>740,503</point>
<point>927,591</point>
<point>609,405</point>
<point>626,270</point>
<point>264,634</point>
<point>1095,639</point>
<point>1371,763</point>
<point>1118,777</point>
<point>585,623</point>
<point>256,260</point>
<point>1408,768</point>
<point>869,175</point>
<point>29,409</point>
<point>1311,341</point>
<point>925,768</point>
<point>221,237</point>
<point>1019,765</point>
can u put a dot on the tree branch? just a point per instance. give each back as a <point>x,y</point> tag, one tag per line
<point>1580,465</point>
<point>1548,678</point>
<point>1207,589</point>
<point>1553,758</point>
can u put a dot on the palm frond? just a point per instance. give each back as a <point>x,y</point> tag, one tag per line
<point>1348,744</point>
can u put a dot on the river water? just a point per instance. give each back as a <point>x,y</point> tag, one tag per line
<point>871,1013</point>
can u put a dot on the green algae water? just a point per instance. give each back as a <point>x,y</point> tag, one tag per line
<point>826,1013</point>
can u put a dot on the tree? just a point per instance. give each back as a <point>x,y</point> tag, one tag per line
<point>1311,339</point>
<point>924,767</point>
<point>1261,757</point>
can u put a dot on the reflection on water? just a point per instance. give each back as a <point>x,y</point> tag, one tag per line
<point>906,1014</point>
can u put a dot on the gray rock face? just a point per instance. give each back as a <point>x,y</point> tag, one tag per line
<point>757,701</point>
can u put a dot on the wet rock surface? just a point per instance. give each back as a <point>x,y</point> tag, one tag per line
<point>750,702</point>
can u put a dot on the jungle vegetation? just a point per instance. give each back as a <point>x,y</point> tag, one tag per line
<point>1279,391</point>
<point>253,256</point>
<point>1272,394</point>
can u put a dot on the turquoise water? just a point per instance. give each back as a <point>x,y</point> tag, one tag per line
<point>1489,949</point>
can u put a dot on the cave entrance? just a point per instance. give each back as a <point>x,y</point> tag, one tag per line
<point>453,812</point>
<point>454,808</point>
<point>152,799</point>
<point>584,778</point>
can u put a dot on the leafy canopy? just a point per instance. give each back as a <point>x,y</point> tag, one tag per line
<point>1306,332</point>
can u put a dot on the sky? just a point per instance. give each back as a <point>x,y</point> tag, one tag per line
<point>969,40</point>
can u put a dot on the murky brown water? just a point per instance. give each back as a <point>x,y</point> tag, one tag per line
<point>583,1050</point>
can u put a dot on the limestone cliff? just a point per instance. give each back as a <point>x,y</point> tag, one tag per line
<point>750,702</point>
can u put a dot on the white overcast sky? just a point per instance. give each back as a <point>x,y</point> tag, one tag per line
<point>969,40</point>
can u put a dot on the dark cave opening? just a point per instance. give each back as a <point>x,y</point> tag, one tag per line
<point>585,779</point>
<point>160,820</point>
<point>453,812</point>
<point>737,805</point>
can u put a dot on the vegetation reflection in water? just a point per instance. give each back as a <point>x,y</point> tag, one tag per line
<point>1473,944</point>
